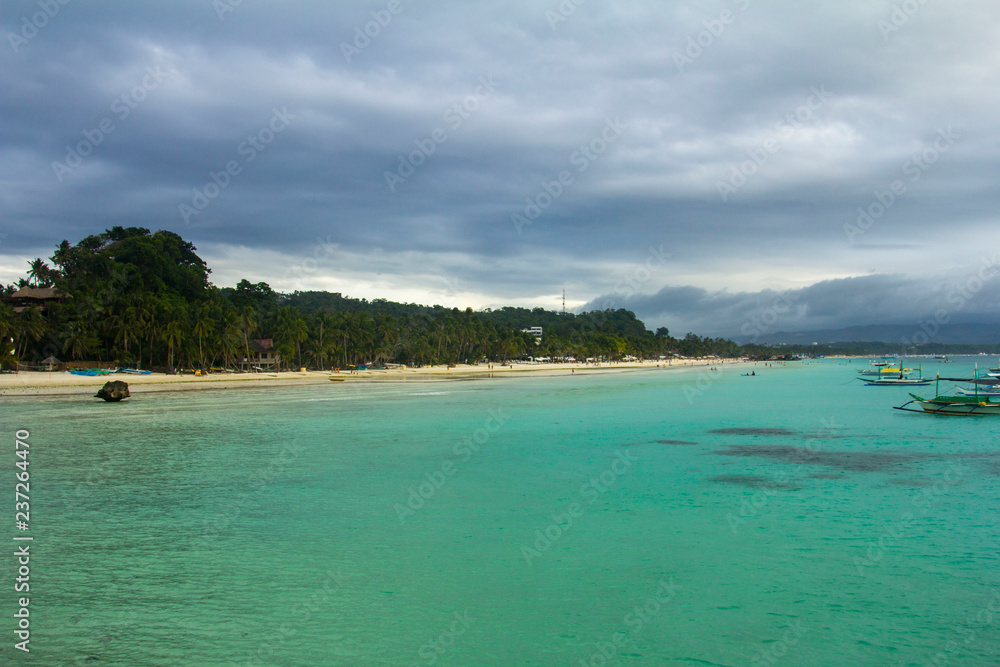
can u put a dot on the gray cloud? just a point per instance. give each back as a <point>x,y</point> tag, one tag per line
<point>829,304</point>
<point>887,92</point>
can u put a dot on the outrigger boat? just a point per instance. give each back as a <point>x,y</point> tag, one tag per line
<point>984,391</point>
<point>903,379</point>
<point>966,406</point>
<point>883,371</point>
<point>90,372</point>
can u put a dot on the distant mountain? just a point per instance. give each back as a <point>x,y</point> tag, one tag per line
<point>971,333</point>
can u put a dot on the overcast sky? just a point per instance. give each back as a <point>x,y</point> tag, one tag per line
<point>694,161</point>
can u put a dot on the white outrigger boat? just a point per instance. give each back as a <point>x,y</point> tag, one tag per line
<point>897,381</point>
<point>961,405</point>
<point>879,372</point>
<point>889,380</point>
<point>983,391</point>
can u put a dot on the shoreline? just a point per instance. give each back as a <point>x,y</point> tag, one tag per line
<point>43,383</point>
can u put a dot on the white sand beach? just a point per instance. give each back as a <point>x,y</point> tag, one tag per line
<point>27,383</point>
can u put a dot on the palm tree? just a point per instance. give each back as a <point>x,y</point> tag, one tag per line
<point>386,337</point>
<point>512,344</point>
<point>230,338</point>
<point>324,345</point>
<point>39,272</point>
<point>247,323</point>
<point>79,339</point>
<point>63,254</point>
<point>344,329</point>
<point>141,314</point>
<point>361,333</point>
<point>442,337</point>
<point>174,333</point>
<point>125,323</point>
<point>293,329</point>
<point>7,328</point>
<point>6,321</point>
<point>153,329</point>
<point>29,325</point>
<point>203,326</point>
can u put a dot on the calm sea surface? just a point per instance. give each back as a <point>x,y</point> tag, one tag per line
<point>647,518</point>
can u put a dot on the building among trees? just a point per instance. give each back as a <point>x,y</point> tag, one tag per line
<point>37,297</point>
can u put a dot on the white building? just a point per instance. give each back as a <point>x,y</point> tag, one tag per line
<point>534,331</point>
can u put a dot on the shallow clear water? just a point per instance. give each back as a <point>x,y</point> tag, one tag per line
<point>514,521</point>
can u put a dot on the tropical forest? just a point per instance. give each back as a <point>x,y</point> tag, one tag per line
<point>142,299</point>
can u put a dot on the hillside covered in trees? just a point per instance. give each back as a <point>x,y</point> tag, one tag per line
<point>143,299</point>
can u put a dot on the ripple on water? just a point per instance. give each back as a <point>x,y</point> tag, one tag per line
<point>752,431</point>
<point>911,482</point>
<point>755,481</point>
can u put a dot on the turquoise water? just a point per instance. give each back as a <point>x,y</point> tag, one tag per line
<point>791,518</point>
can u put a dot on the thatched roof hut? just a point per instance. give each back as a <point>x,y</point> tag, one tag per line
<point>38,297</point>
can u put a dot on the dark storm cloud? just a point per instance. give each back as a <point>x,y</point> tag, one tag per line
<point>829,304</point>
<point>745,130</point>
